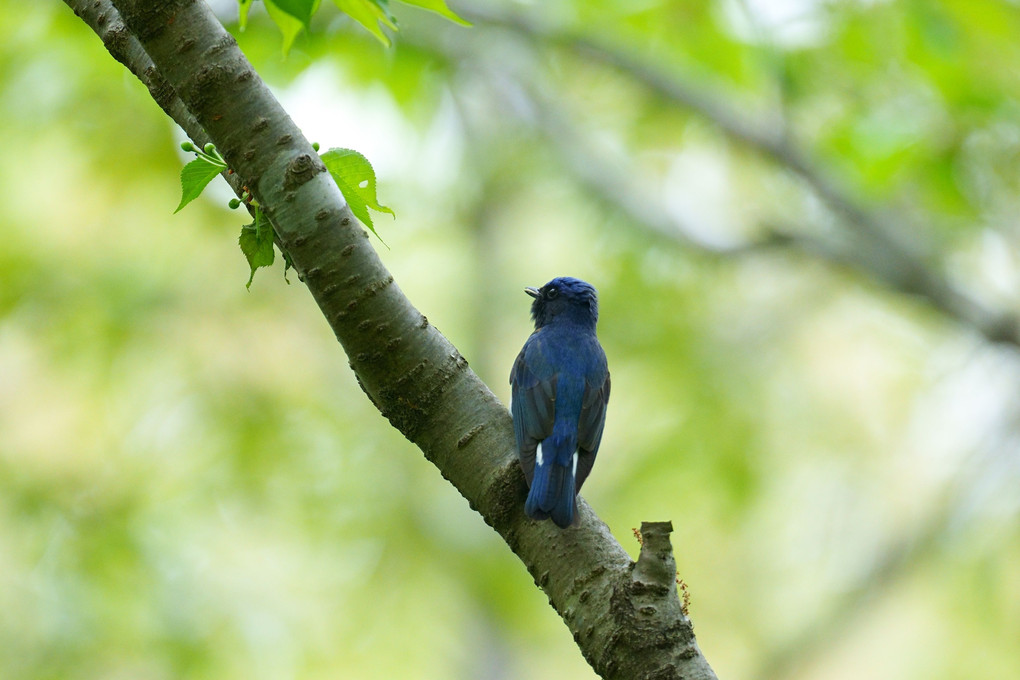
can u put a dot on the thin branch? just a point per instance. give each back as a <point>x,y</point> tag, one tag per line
<point>891,257</point>
<point>610,178</point>
<point>627,624</point>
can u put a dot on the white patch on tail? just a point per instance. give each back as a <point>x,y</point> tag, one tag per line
<point>575,464</point>
<point>538,455</point>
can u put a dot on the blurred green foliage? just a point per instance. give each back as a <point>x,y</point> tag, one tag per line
<point>192,484</point>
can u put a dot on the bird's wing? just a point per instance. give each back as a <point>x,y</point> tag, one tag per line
<point>533,394</point>
<point>591,422</point>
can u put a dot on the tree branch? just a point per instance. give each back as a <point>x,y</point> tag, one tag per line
<point>410,371</point>
<point>610,179</point>
<point>887,254</point>
<point>105,22</point>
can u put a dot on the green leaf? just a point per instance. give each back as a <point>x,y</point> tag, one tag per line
<point>370,13</point>
<point>242,12</point>
<point>256,243</point>
<point>288,264</point>
<point>439,7</point>
<point>302,10</point>
<point>293,15</point>
<point>289,24</point>
<point>354,175</point>
<point>194,178</point>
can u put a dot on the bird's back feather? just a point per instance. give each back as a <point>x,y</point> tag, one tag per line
<point>560,388</point>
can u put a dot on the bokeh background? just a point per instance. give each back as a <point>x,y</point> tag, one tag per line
<point>193,486</point>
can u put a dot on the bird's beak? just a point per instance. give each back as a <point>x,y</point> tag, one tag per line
<point>533,292</point>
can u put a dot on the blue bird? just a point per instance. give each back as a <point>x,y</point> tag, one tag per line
<point>559,390</point>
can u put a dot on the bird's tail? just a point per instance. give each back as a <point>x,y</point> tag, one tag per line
<point>552,492</point>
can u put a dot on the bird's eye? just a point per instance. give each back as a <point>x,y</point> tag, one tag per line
<point>551,294</point>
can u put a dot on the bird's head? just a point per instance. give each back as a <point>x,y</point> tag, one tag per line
<point>564,299</point>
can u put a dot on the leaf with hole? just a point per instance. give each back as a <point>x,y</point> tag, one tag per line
<point>354,175</point>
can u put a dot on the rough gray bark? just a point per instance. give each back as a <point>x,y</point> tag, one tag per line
<point>625,617</point>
